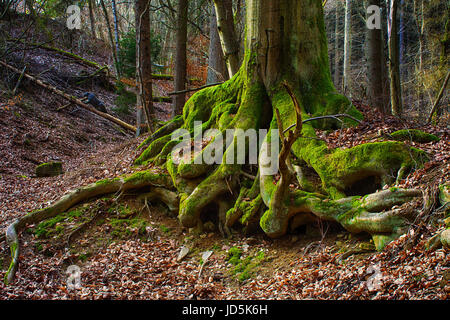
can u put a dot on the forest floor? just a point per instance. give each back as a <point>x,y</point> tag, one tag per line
<point>127,249</point>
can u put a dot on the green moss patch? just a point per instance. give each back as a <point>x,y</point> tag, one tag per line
<point>56,226</point>
<point>414,135</point>
<point>244,268</point>
<point>49,169</point>
<point>126,228</point>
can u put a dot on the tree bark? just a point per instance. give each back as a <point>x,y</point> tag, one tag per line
<point>337,55</point>
<point>420,23</point>
<point>394,62</point>
<point>180,59</point>
<point>116,30</point>
<point>91,18</point>
<point>144,65</point>
<point>346,83</point>
<point>227,33</point>
<point>217,71</point>
<point>375,65</point>
<point>111,39</point>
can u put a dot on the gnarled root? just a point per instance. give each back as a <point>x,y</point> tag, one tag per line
<point>338,169</point>
<point>159,181</point>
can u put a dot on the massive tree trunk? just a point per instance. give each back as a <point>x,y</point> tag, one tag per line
<point>284,81</point>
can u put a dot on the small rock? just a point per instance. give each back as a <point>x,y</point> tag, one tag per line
<point>206,255</point>
<point>445,238</point>
<point>433,243</point>
<point>49,169</point>
<point>183,253</point>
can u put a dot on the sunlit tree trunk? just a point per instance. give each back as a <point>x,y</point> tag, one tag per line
<point>216,64</point>
<point>394,62</point>
<point>116,29</point>
<point>227,33</point>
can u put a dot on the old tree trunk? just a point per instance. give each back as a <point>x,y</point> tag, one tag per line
<point>285,66</point>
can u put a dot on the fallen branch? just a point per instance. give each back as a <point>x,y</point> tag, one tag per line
<point>194,89</point>
<point>72,99</point>
<point>160,182</point>
<point>439,97</point>
<point>18,81</point>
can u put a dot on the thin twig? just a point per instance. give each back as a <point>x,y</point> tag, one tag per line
<point>194,89</point>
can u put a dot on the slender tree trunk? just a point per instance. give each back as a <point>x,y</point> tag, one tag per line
<point>347,49</point>
<point>394,61</point>
<point>375,64</point>
<point>91,18</point>
<point>419,17</point>
<point>227,33</point>
<point>111,39</point>
<point>337,41</point>
<point>180,59</point>
<point>165,51</point>
<point>116,30</point>
<point>401,33</point>
<point>144,65</point>
<point>216,65</point>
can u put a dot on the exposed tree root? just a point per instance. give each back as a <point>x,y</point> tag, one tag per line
<point>139,180</point>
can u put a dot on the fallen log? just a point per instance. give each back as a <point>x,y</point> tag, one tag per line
<point>67,54</point>
<point>71,98</point>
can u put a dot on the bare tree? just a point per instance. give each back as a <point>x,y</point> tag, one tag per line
<point>111,39</point>
<point>116,29</point>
